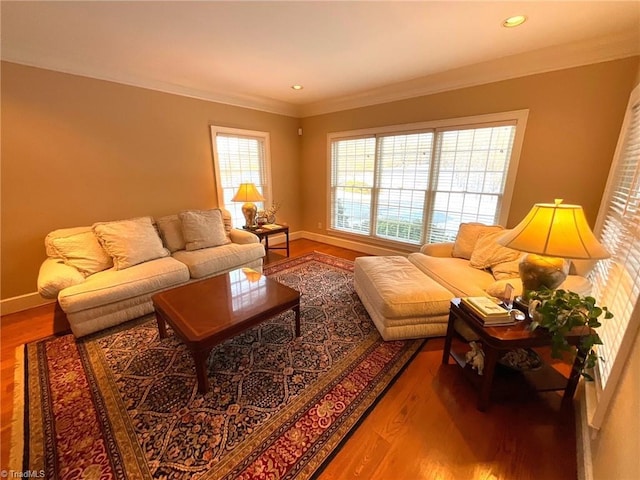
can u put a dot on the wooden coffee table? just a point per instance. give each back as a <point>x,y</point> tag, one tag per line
<point>205,313</point>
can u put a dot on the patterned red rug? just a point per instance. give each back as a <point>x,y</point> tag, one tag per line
<point>123,404</point>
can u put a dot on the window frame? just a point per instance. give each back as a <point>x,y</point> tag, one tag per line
<point>519,119</point>
<point>597,398</point>
<point>265,137</point>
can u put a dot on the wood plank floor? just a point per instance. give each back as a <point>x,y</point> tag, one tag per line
<point>425,427</point>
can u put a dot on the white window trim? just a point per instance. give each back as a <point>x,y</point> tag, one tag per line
<point>598,399</point>
<point>265,136</point>
<point>488,120</point>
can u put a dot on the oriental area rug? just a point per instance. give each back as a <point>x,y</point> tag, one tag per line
<point>124,404</point>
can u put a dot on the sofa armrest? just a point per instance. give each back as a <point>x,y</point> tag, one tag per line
<point>54,276</point>
<point>441,249</point>
<point>242,236</point>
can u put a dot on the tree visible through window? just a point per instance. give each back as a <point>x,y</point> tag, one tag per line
<point>418,186</point>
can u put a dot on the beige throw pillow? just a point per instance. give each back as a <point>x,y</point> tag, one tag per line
<point>130,242</point>
<point>170,228</point>
<point>468,235</point>
<point>506,270</point>
<point>203,229</point>
<point>83,252</point>
<point>488,252</point>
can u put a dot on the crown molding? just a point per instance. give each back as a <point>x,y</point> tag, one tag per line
<point>625,44</point>
<point>613,47</point>
<point>252,102</point>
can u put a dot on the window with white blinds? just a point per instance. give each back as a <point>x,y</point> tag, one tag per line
<point>240,156</point>
<point>617,279</point>
<point>415,184</point>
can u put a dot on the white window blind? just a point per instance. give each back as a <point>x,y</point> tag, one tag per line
<point>403,180</point>
<point>617,279</point>
<point>240,156</point>
<point>352,172</point>
<point>418,185</point>
<point>472,168</point>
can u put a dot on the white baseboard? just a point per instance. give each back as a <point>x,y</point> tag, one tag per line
<point>22,302</point>
<point>31,300</point>
<point>583,436</point>
<point>350,244</point>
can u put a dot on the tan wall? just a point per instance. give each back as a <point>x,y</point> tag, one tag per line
<point>574,119</point>
<point>77,150</point>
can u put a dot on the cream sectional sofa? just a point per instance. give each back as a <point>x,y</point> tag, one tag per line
<point>105,274</point>
<point>409,297</point>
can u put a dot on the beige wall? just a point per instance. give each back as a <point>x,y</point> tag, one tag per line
<point>77,150</point>
<point>574,119</point>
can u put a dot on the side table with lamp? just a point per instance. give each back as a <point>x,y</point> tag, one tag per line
<point>549,234</point>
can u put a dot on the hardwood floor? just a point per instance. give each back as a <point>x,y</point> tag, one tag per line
<point>426,426</point>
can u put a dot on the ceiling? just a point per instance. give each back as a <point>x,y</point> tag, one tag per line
<point>345,54</point>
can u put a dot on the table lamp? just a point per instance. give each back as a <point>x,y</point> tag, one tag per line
<point>248,193</point>
<point>549,234</point>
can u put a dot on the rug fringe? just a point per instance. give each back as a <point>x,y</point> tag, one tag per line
<point>17,421</point>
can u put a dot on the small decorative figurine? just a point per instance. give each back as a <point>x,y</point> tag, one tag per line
<point>475,357</point>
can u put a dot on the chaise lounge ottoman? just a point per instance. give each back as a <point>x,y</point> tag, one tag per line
<point>402,301</point>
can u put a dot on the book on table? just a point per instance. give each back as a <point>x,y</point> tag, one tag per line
<point>271,226</point>
<point>487,311</point>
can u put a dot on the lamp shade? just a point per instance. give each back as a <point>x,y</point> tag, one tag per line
<point>247,192</point>
<point>555,230</point>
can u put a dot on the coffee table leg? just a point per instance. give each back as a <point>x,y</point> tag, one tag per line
<point>200,358</point>
<point>296,310</point>
<point>162,326</point>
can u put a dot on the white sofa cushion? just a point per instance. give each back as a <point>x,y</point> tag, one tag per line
<point>130,242</point>
<point>54,276</point>
<point>209,261</point>
<point>398,290</point>
<point>468,235</point>
<point>82,251</point>
<point>574,283</point>
<point>487,252</point>
<point>506,270</point>
<point>203,229</point>
<point>454,274</point>
<point>113,286</point>
<point>170,228</point>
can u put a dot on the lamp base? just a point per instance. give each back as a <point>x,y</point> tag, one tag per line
<point>538,272</point>
<point>249,211</point>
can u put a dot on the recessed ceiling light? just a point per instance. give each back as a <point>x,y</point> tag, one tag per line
<point>297,87</point>
<point>514,21</point>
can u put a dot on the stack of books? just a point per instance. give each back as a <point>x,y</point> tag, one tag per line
<point>487,311</point>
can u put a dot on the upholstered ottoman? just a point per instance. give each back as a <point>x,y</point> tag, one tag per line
<point>402,301</point>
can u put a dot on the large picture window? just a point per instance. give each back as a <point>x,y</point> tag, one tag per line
<point>415,184</point>
<point>240,156</point>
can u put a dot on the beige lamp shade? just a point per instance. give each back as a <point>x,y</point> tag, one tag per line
<point>555,230</point>
<point>247,192</point>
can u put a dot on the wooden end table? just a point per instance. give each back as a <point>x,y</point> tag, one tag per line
<point>496,341</point>
<point>264,233</point>
<point>207,312</point>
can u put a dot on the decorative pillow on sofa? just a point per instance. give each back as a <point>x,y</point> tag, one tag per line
<point>506,270</point>
<point>468,235</point>
<point>82,251</point>
<point>170,228</point>
<point>130,242</point>
<point>203,228</point>
<point>488,252</point>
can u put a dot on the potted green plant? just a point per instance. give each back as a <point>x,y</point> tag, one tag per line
<point>560,311</point>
